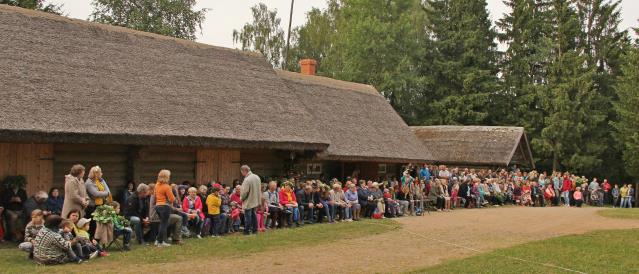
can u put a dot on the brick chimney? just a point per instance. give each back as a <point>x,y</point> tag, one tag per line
<point>308,66</point>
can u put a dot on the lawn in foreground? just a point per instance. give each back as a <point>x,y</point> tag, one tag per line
<point>15,261</point>
<point>606,251</point>
<point>622,213</point>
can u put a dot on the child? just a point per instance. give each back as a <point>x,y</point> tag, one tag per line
<point>262,212</point>
<point>578,196</point>
<point>30,232</point>
<point>81,247</point>
<point>82,233</point>
<point>214,203</point>
<point>119,228</point>
<point>235,216</point>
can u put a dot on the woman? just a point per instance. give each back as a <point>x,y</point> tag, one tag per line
<point>378,199</point>
<point>75,193</point>
<point>353,201</point>
<point>192,205</point>
<point>289,203</point>
<point>340,203</point>
<point>436,195</point>
<point>49,246</point>
<point>163,198</point>
<point>325,202</point>
<point>55,201</point>
<point>97,189</point>
<point>128,192</point>
<point>444,190</point>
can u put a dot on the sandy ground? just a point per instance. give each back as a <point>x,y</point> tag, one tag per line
<point>419,243</point>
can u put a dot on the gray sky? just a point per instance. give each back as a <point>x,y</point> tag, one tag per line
<point>225,15</point>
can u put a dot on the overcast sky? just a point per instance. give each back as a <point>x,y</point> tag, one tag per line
<point>225,15</point>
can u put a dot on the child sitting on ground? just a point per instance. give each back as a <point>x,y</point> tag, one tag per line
<point>82,232</point>
<point>120,227</point>
<point>235,217</point>
<point>81,246</point>
<point>30,232</point>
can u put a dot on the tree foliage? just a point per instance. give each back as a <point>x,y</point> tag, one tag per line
<point>264,34</point>
<point>176,18</point>
<point>34,5</point>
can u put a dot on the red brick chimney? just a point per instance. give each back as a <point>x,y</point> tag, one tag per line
<point>308,66</point>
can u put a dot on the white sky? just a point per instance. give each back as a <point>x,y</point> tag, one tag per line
<point>226,15</point>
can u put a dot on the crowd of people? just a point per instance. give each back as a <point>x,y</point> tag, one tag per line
<point>82,223</point>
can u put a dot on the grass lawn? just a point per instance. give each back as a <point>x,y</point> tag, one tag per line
<point>609,251</point>
<point>15,261</point>
<point>623,213</point>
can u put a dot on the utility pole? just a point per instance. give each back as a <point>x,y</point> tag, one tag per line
<point>288,37</point>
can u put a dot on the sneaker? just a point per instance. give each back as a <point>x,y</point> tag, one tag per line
<point>78,260</point>
<point>126,248</point>
<point>165,244</point>
<point>199,236</point>
<point>156,243</point>
<point>104,254</point>
<point>93,255</point>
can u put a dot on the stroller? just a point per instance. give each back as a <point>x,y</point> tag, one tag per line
<point>596,197</point>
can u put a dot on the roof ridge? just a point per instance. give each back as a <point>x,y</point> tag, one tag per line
<point>85,23</point>
<point>328,82</point>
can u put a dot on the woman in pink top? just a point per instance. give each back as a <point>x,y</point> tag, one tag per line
<point>192,205</point>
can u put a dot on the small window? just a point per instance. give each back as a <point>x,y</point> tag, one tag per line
<point>381,169</point>
<point>314,169</point>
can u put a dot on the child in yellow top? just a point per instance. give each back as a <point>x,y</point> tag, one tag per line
<point>214,203</point>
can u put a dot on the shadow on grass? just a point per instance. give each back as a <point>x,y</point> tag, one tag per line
<point>15,261</point>
<point>606,251</point>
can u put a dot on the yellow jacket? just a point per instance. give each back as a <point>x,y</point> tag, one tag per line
<point>213,202</point>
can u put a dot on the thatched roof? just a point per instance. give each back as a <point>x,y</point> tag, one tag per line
<point>72,81</point>
<point>476,145</point>
<point>360,123</point>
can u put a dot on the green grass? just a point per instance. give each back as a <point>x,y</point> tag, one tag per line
<point>609,251</point>
<point>622,213</point>
<point>15,261</point>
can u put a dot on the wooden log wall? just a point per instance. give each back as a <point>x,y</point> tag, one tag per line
<point>150,160</point>
<point>265,163</point>
<point>112,159</point>
<point>34,161</point>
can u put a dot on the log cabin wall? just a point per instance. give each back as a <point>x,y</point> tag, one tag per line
<point>148,161</point>
<point>34,161</point>
<point>265,163</point>
<point>112,159</point>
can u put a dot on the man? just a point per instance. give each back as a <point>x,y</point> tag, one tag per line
<point>37,201</point>
<point>306,203</point>
<point>424,174</point>
<point>136,210</point>
<point>250,195</point>
<point>13,200</point>
<point>273,200</point>
<point>607,194</point>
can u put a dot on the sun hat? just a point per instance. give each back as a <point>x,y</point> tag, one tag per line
<point>83,221</point>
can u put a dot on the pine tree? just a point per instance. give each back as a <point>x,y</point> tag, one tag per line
<point>627,128</point>
<point>464,62</point>
<point>570,100</point>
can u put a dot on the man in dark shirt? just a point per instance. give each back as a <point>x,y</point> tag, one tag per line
<point>13,200</point>
<point>306,203</point>
<point>137,211</point>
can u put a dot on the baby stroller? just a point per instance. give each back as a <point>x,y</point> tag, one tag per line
<point>596,197</point>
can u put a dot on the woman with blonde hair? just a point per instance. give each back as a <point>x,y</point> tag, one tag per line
<point>163,198</point>
<point>97,189</point>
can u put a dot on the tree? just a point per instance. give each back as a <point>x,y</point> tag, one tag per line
<point>264,34</point>
<point>382,43</point>
<point>464,62</point>
<point>34,5</point>
<point>315,38</point>
<point>175,18</point>
<point>570,99</point>
<point>627,128</point>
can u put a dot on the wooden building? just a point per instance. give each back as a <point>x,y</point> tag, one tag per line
<point>368,139</point>
<point>132,102</point>
<point>477,146</point>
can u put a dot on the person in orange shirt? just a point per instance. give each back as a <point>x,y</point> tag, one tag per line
<point>163,197</point>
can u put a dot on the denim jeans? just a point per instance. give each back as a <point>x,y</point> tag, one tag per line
<point>216,224</point>
<point>327,212</point>
<point>164,212</point>
<point>197,222</point>
<point>347,212</point>
<point>250,221</point>
<point>136,224</point>
<point>566,196</point>
<point>126,232</point>
<point>306,213</point>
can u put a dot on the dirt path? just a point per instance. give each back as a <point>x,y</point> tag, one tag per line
<point>403,250</point>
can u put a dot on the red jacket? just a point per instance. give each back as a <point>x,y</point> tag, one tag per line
<point>284,198</point>
<point>567,185</point>
<point>198,206</point>
<point>235,197</point>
